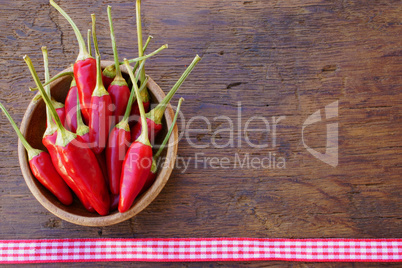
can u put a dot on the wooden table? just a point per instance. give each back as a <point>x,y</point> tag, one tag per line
<point>260,58</point>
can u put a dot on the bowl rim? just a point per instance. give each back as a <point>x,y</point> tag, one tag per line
<point>140,203</point>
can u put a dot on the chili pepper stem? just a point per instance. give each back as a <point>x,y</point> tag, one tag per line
<point>93,17</point>
<point>53,79</point>
<point>100,89</point>
<point>119,80</point>
<point>82,129</point>
<point>143,138</point>
<point>83,53</point>
<point>132,95</point>
<point>156,114</point>
<point>139,34</point>
<point>31,151</point>
<point>167,137</point>
<point>64,136</point>
<point>110,70</point>
<point>123,124</point>
<point>51,126</point>
<point>146,56</point>
<point>162,146</point>
<point>143,50</point>
<point>150,37</point>
<point>89,42</point>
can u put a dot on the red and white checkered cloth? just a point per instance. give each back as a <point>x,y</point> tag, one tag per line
<point>200,249</point>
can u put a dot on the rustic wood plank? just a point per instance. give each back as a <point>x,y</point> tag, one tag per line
<point>278,58</point>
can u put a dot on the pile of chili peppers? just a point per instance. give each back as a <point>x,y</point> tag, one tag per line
<point>99,142</point>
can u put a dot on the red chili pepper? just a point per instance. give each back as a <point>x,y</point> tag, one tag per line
<point>60,110</point>
<point>84,68</point>
<point>70,107</point>
<point>49,140</point>
<point>118,143</point>
<point>114,201</point>
<point>138,160</point>
<point>118,89</point>
<point>154,117</point>
<point>154,168</point>
<point>107,80</point>
<point>50,143</point>
<point>102,164</point>
<point>99,120</point>
<point>83,135</point>
<point>42,167</point>
<point>79,161</point>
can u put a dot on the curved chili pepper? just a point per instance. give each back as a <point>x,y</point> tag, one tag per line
<point>50,143</point>
<point>154,117</point>
<point>118,143</point>
<point>84,68</point>
<point>79,161</point>
<point>138,160</point>
<point>70,106</point>
<point>154,168</point>
<point>99,120</point>
<point>42,167</point>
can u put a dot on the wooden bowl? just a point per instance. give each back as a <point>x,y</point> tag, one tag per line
<point>33,126</point>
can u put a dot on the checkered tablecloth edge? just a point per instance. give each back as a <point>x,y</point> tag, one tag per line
<point>200,249</point>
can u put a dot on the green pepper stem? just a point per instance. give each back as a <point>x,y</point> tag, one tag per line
<point>89,42</point>
<point>110,70</point>
<point>143,138</point>
<point>49,121</point>
<point>45,97</point>
<point>31,151</point>
<point>157,113</point>
<point>144,48</point>
<point>53,79</point>
<point>112,37</point>
<point>133,98</point>
<point>147,42</point>
<point>100,88</point>
<point>83,54</point>
<point>81,127</point>
<point>79,117</point>
<point>146,56</point>
<point>139,34</point>
<point>162,146</point>
<point>93,17</point>
<point>63,136</point>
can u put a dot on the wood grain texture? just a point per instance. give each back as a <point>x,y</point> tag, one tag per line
<point>278,58</point>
